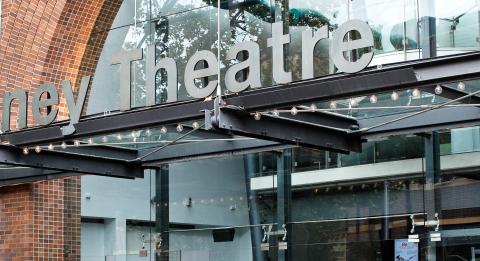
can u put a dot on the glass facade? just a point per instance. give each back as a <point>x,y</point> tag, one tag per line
<point>408,195</point>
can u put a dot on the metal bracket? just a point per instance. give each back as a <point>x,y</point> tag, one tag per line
<point>299,131</point>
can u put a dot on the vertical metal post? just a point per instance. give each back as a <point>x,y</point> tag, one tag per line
<point>162,208</point>
<point>432,176</point>
<point>428,31</point>
<point>255,222</point>
<point>386,211</point>
<point>284,198</point>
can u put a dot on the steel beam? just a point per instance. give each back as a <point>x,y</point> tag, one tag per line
<point>284,130</point>
<point>202,150</point>
<point>451,117</point>
<point>19,175</point>
<point>70,162</point>
<point>452,94</point>
<point>403,75</point>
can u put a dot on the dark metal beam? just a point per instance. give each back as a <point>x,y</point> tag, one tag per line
<point>201,150</point>
<point>404,75</point>
<point>19,175</point>
<point>69,162</point>
<point>443,118</point>
<point>452,94</point>
<point>288,131</point>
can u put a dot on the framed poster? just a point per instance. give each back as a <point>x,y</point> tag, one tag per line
<point>405,251</point>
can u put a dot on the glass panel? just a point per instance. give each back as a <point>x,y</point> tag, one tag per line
<point>218,208</point>
<point>132,12</point>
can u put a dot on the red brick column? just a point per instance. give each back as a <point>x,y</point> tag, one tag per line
<point>47,41</point>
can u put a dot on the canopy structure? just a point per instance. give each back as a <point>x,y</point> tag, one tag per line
<point>296,114</point>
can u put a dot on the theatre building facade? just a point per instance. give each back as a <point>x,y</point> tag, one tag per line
<point>240,130</point>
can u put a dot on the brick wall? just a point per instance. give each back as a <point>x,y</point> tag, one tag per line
<point>47,41</point>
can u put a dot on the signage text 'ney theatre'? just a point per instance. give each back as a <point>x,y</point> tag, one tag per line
<point>47,95</point>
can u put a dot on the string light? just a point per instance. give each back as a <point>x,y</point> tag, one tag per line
<point>195,125</point>
<point>395,96</point>
<point>119,136</point>
<point>38,149</point>
<point>50,146</point>
<point>90,141</point>
<point>333,105</point>
<point>313,107</point>
<point>275,113</point>
<point>105,139</point>
<point>294,111</point>
<point>133,134</point>
<point>25,151</point>
<point>438,89</point>
<point>461,86</point>
<point>373,99</point>
<point>163,130</point>
<point>353,102</point>
<point>416,92</point>
<point>76,143</point>
<point>179,127</point>
<point>148,132</point>
<point>257,116</point>
<point>63,145</point>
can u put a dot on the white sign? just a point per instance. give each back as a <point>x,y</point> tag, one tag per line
<point>405,251</point>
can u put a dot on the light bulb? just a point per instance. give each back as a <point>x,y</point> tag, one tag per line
<point>195,125</point>
<point>333,105</point>
<point>133,134</point>
<point>63,145</point>
<point>76,143</point>
<point>294,111</point>
<point>438,89</point>
<point>416,93</point>
<point>257,116</point>
<point>395,96</point>
<point>353,102</point>
<point>313,107</point>
<point>90,141</point>
<point>163,130</point>
<point>119,136</point>
<point>373,99</point>
<point>179,127</point>
<point>461,86</point>
<point>25,151</point>
<point>275,113</point>
<point>50,146</point>
<point>38,149</point>
<point>105,139</point>
<point>148,132</point>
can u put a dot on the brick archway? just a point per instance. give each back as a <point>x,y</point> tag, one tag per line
<point>47,41</point>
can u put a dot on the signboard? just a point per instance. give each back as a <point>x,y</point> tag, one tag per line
<point>405,251</point>
<point>47,96</point>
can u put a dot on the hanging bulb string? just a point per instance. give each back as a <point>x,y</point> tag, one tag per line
<point>419,112</point>
<point>168,144</point>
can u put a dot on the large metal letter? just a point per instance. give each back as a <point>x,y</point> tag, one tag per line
<point>310,39</point>
<point>191,74</point>
<point>170,66</point>
<point>125,59</point>
<point>22,97</point>
<point>252,63</point>
<point>74,108</point>
<point>38,103</point>
<point>339,46</point>
<point>277,42</point>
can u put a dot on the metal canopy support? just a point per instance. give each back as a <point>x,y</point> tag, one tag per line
<point>420,73</point>
<point>452,94</point>
<point>18,175</point>
<point>67,162</point>
<point>201,150</point>
<point>289,131</point>
<point>452,117</point>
